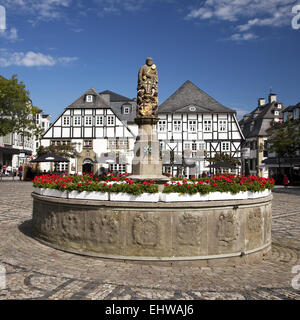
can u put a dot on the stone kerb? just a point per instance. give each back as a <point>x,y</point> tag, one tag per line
<point>204,233</point>
<point>156,197</point>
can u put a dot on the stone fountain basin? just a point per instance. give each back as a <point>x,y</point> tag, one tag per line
<point>204,233</point>
<point>151,197</point>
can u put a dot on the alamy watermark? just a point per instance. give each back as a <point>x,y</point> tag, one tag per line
<point>2,278</point>
<point>2,18</point>
<point>296,19</point>
<point>296,279</point>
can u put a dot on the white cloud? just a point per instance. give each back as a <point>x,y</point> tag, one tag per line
<point>243,37</point>
<point>246,14</point>
<point>40,9</point>
<point>31,59</point>
<point>116,6</point>
<point>11,34</point>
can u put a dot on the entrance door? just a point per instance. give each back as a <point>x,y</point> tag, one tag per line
<point>88,166</point>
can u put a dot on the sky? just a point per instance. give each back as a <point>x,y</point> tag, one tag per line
<point>235,50</point>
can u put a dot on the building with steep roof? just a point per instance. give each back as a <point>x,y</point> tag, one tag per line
<point>255,126</point>
<point>100,127</point>
<point>193,127</point>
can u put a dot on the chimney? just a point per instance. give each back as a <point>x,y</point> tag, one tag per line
<point>106,97</point>
<point>272,97</point>
<point>261,102</point>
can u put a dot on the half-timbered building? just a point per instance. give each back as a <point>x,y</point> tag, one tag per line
<point>99,127</point>
<point>193,127</point>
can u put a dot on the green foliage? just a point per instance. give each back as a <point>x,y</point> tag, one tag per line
<point>224,157</point>
<point>16,111</point>
<point>284,139</point>
<point>66,151</point>
<point>90,183</point>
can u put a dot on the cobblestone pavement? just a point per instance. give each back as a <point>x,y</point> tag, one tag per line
<point>35,271</point>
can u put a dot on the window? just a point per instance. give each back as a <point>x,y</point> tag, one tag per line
<point>60,142</point>
<point>194,150</point>
<point>112,143</point>
<point>207,125</point>
<point>276,113</point>
<point>223,125</point>
<point>177,126</point>
<point>89,98</point>
<point>110,120</point>
<point>88,143</point>
<point>126,110</point>
<point>123,143</point>
<point>116,167</point>
<point>192,126</point>
<point>88,120</point>
<point>99,120</point>
<point>77,121</point>
<point>62,166</point>
<point>225,146</point>
<point>66,121</point>
<point>162,126</point>
<point>202,146</point>
<point>187,146</point>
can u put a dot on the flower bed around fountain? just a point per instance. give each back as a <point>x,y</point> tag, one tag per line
<point>122,188</point>
<point>223,220</point>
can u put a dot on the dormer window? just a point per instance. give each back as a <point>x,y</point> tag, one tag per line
<point>126,109</point>
<point>89,98</point>
<point>276,113</point>
<point>279,106</point>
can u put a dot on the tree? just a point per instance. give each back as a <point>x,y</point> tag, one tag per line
<point>224,157</point>
<point>284,140</point>
<point>16,111</point>
<point>66,151</point>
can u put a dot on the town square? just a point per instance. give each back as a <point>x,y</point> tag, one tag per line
<point>35,271</point>
<point>123,179</point>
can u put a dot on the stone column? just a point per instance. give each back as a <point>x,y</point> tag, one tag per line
<point>147,163</point>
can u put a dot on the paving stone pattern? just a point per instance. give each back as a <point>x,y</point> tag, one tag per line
<point>35,271</point>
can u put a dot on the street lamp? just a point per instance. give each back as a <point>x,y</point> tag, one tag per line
<point>172,146</point>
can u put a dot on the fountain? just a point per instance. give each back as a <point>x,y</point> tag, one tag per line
<point>205,233</point>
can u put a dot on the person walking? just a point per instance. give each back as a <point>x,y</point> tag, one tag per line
<point>20,172</point>
<point>285,182</point>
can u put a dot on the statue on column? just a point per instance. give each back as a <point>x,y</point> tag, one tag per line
<point>147,96</point>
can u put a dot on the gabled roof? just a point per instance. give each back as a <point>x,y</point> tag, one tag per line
<point>98,101</point>
<point>292,108</point>
<point>260,120</point>
<point>116,104</point>
<point>190,95</point>
<point>114,97</point>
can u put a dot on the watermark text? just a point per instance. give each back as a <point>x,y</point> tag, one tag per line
<point>296,19</point>
<point>296,279</point>
<point>2,18</point>
<point>2,277</point>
